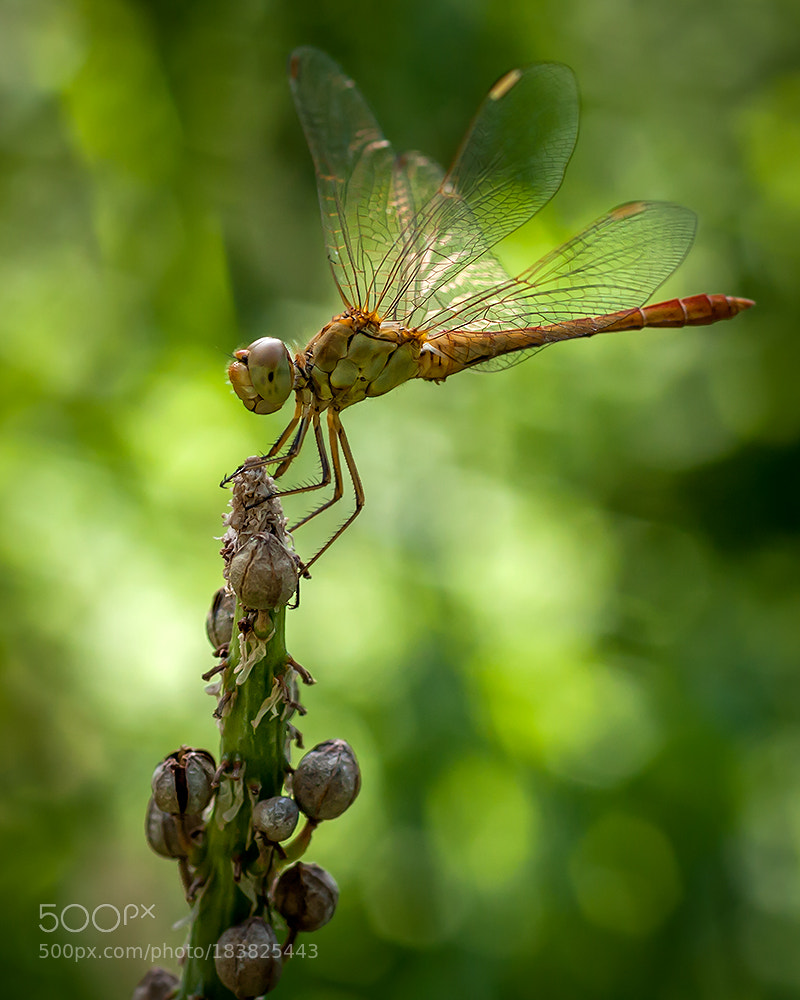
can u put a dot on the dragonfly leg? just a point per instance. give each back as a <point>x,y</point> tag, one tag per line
<point>272,455</point>
<point>297,445</point>
<point>337,438</point>
<point>338,487</point>
<point>332,467</point>
<point>285,461</point>
<point>323,461</point>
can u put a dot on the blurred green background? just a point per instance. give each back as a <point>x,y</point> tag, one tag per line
<point>564,635</point>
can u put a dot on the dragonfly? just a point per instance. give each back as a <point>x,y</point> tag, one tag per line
<point>411,251</point>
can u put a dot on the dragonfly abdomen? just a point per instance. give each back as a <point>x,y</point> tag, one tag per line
<point>696,310</point>
<point>451,352</point>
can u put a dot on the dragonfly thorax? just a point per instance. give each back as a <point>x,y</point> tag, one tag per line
<point>352,358</point>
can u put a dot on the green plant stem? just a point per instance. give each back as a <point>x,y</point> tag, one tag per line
<point>253,758</point>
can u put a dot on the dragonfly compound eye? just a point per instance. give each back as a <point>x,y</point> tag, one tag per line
<point>271,372</point>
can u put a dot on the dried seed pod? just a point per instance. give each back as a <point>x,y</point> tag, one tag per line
<point>183,782</point>
<point>156,984</point>
<point>276,818</point>
<point>219,620</point>
<point>306,896</point>
<point>327,780</point>
<point>263,572</point>
<point>248,958</point>
<point>163,831</point>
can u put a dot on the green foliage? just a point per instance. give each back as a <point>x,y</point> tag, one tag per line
<point>563,634</point>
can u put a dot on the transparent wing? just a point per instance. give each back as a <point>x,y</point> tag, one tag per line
<point>613,265</point>
<point>353,163</point>
<point>415,182</point>
<point>510,164</point>
<point>398,233</point>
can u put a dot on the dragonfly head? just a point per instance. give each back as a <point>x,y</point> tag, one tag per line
<point>262,375</point>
